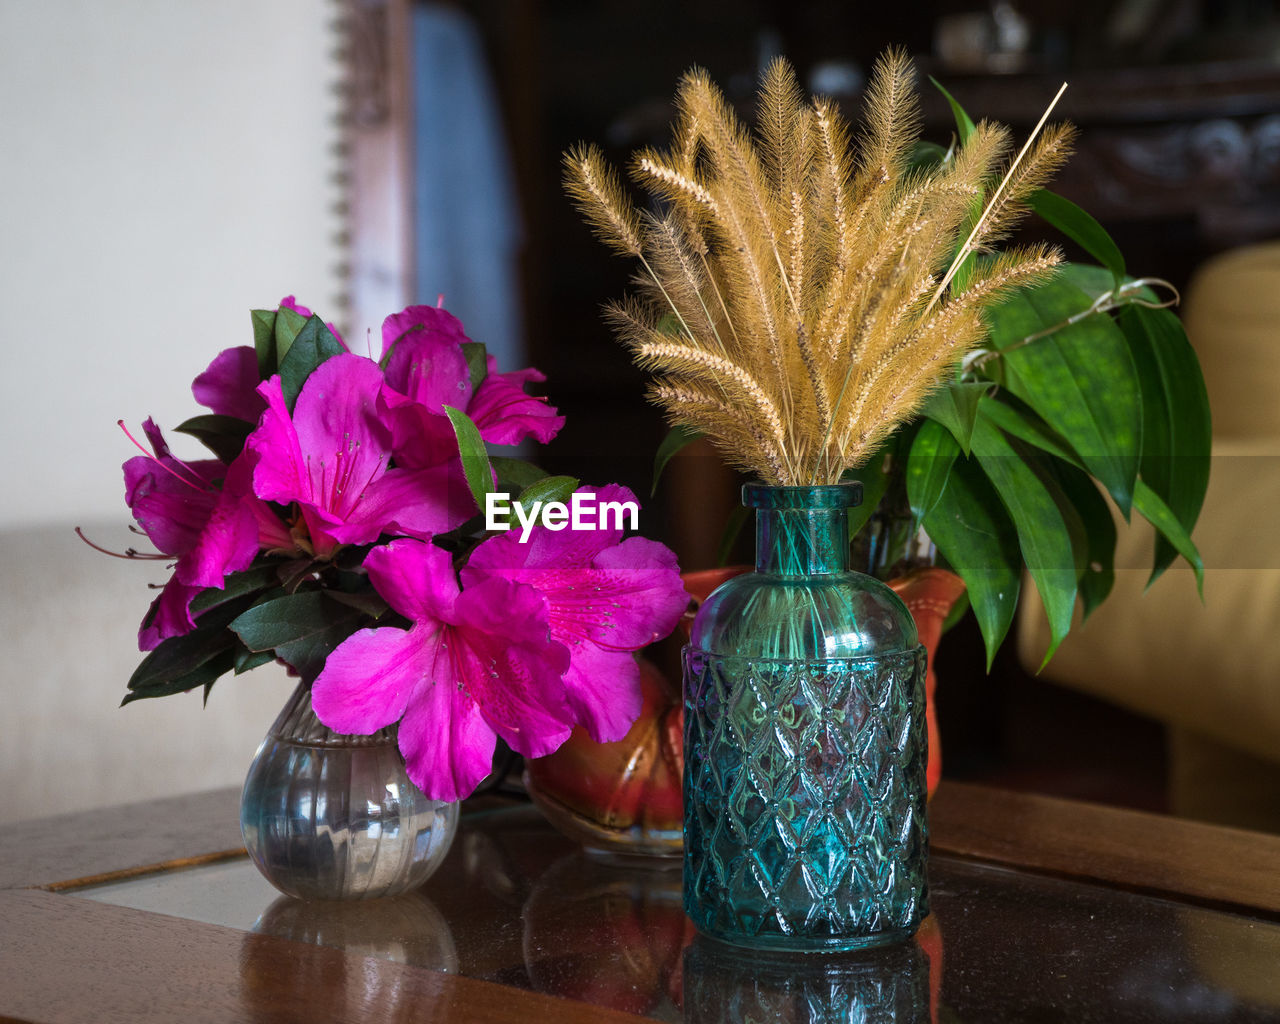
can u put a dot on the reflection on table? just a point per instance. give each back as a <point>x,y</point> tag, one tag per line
<point>517,904</point>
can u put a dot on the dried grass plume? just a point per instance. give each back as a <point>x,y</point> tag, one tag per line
<point>803,290</point>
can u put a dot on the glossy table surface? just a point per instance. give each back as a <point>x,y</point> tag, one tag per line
<point>1043,910</point>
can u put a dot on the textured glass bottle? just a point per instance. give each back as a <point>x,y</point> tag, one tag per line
<point>327,816</point>
<point>805,744</point>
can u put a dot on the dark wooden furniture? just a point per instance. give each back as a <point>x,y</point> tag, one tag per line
<point>1043,910</point>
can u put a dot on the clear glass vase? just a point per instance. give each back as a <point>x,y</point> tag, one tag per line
<point>805,742</point>
<point>333,817</point>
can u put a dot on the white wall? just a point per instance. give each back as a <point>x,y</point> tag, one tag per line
<point>164,167</point>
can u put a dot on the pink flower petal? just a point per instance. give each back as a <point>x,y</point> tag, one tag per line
<point>446,742</point>
<point>168,616</point>
<point>229,386</point>
<point>605,599</point>
<point>229,540</point>
<point>367,681</point>
<point>505,414</point>
<point>474,664</point>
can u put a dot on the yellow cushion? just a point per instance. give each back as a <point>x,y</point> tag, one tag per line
<point>1214,668</point>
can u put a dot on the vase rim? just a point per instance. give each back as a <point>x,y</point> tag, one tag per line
<point>815,496</point>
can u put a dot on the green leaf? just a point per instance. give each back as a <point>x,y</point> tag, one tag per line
<point>236,585</point>
<point>972,532</point>
<point>366,601</point>
<point>515,474</point>
<point>956,407</point>
<point>204,674</point>
<point>1157,513</point>
<point>1177,432</point>
<point>312,345</point>
<point>477,363</point>
<point>1042,532</point>
<point>928,467</point>
<point>264,340</point>
<point>245,659</point>
<point>1080,379</point>
<point>964,123</point>
<point>1080,226</point>
<point>1025,425</point>
<point>546,490</point>
<point>926,156</point>
<point>303,629</point>
<point>1099,574</point>
<point>875,481</point>
<point>288,325</point>
<point>475,457</point>
<point>222,435</point>
<point>678,438</point>
<point>164,670</point>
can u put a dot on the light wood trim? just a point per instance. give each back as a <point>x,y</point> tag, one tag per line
<point>1151,853</point>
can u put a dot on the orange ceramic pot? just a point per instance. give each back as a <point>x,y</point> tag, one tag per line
<point>929,595</point>
<point>626,797</point>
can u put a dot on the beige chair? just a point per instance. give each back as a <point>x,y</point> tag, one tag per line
<point>1210,671</point>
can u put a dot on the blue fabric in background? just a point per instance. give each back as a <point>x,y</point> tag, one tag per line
<point>467,222</point>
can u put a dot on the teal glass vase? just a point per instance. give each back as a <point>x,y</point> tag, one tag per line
<point>805,742</point>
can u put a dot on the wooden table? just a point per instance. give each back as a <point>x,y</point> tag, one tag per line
<point>1044,910</point>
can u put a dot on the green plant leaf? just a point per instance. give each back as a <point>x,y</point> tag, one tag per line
<point>288,325</point>
<point>1023,424</point>
<point>246,660</point>
<point>1099,574</point>
<point>1080,379</point>
<point>1042,532</point>
<point>973,533</point>
<point>546,490</point>
<point>928,467</point>
<point>677,439</point>
<point>166,668</point>
<point>475,457</point>
<point>264,341</point>
<point>1153,509</point>
<point>1177,432</point>
<point>1080,226</point>
<point>515,474</point>
<point>235,585</point>
<point>477,364</point>
<point>205,674</point>
<point>313,344</point>
<point>956,407</point>
<point>302,629</point>
<point>222,435</point>
<point>926,156</point>
<point>964,123</point>
<point>875,481</point>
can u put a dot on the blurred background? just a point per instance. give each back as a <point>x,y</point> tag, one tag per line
<point>168,167</point>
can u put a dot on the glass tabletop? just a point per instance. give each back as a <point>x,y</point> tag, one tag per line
<point>517,904</point>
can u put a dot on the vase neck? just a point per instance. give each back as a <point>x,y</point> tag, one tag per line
<point>802,531</point>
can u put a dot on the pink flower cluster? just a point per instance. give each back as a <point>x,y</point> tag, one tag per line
<point>521,641</point>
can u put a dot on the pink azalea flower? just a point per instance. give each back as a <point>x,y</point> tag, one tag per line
<point>229,386</point>
<point>607,597</point>
<point>203,513</point>
<point>331,455</point>
<point>426,370</point>
<point>477,663</point>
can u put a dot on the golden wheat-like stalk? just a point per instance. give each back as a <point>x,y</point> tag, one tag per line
<point>799,297</point>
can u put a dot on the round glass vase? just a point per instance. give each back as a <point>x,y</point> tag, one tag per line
<point>331,817</point>
<point>805,742</point>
